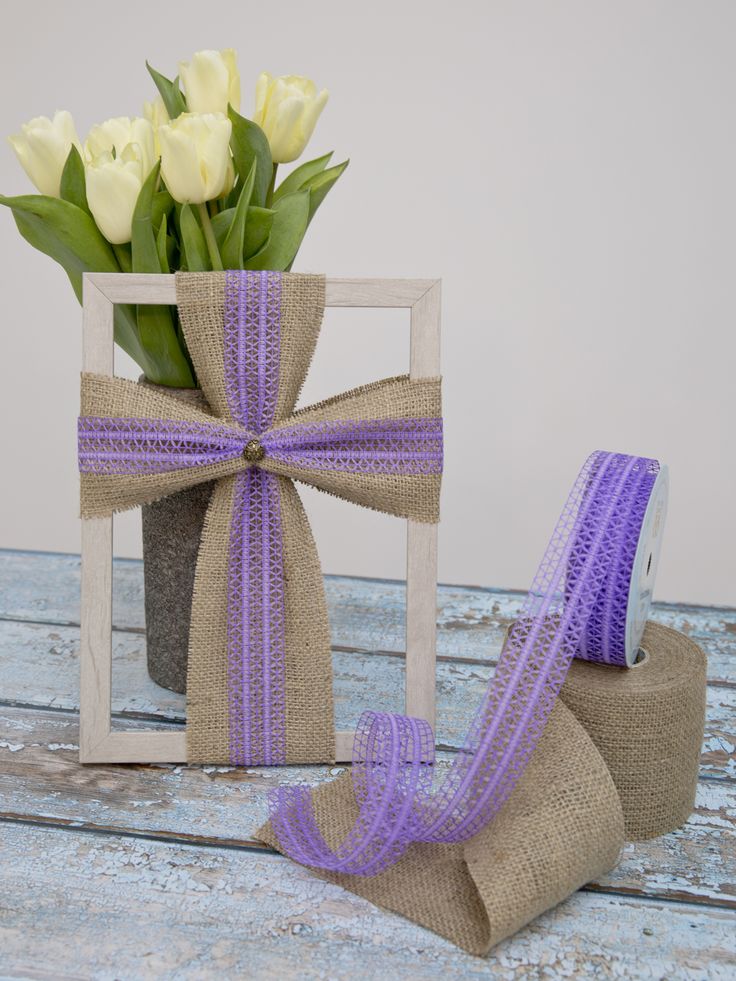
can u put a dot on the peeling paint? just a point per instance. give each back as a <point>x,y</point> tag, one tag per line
<point>13,747</point>
<point>140,908</point>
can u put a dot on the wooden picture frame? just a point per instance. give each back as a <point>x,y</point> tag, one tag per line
<point>98,741</point>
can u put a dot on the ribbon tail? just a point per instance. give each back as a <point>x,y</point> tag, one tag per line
<point>259,676</point>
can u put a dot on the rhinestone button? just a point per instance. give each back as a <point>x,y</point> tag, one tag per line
<point>253,451</point>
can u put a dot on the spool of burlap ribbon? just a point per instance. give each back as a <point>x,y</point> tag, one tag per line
<point>618,760</point>
<point>647,724</point>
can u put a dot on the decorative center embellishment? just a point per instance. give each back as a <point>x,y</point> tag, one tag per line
<point>253,451</point>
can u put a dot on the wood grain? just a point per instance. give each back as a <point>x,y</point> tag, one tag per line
<point>154,288</point>
<point>96,571</point>
<point>112,907</point>
<point>154,871</point>
<point>421,539</point>
<point>365,614</point>
<point>42,783</point>
<point>39,663</point>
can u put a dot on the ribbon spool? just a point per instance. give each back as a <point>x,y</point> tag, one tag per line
<point>614,629</point>
<point>647,723</point>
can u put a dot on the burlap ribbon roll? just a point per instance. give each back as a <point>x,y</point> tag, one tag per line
<point>647,723</point>
<point>568,816</point>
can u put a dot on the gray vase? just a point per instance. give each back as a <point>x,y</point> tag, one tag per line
<point>172,528</point>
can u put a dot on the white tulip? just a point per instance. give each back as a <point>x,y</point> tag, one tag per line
<point>195,156</point>
<point>156,112</point>
<point>287,110</point>
<point>113,186</point>
<point>42,147</point>
<point>117,133</point>
<point>157,115</point>
<point>211,81</point>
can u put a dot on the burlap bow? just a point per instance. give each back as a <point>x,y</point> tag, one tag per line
<point>259,685</point>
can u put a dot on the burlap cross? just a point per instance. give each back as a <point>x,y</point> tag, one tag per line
<point>259,685</point>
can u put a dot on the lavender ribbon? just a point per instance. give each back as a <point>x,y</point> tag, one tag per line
<point>256,589</point>
<point>579,590</point>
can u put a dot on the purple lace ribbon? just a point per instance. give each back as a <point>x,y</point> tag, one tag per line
<point>110,445</point>
<point>581,586</point>
<point>405,446</point>
<point>256,592</point>
<point>256,648</point>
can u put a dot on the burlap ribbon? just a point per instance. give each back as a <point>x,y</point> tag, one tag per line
<point>259,685</point>
<point>618,760</point>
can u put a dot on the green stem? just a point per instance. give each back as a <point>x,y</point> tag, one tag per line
<point>271,186</point>
<point>209,237</point>
<point>122,254</point>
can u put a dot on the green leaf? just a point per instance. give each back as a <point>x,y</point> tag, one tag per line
<point>192,241</point>
<point>232,247</point>
<point>163,258</point>
<point>221,224</point>
<point>248,143</point>
<point>172,252</point>
<point>126,336</point>
<point>232,199</point>
<point>143,242</point>
<point>124,257</point>
<point>297,178</point>
<point>160,208</point>
<point>67,234</point>
<point>320,186</point>
<point>257,229</point>
<point>169,365</point>
<point>73,183</point>
<point>156,326</point>
<point>63,231</point>
<point>290,220</point>
<point>170,92</point>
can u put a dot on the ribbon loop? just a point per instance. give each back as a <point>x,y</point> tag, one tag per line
<point>397,807</point>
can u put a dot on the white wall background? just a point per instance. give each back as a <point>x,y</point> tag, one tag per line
<point>566,167</point>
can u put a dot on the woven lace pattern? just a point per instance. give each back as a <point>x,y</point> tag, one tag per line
<point>124,446</point>
<point>588,559</point>
<point>256,646</point>
<point>604,634</point>
<point>252,338</point>
<point>404,446</point>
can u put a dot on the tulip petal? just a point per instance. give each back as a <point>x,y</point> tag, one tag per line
<point>285,136</point>
<point>112,192</point>
<point>180,167</point>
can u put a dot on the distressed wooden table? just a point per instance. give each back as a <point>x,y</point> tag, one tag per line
<point>126,872</point>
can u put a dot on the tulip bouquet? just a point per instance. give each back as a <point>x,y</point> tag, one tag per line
<point>191,184</point>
